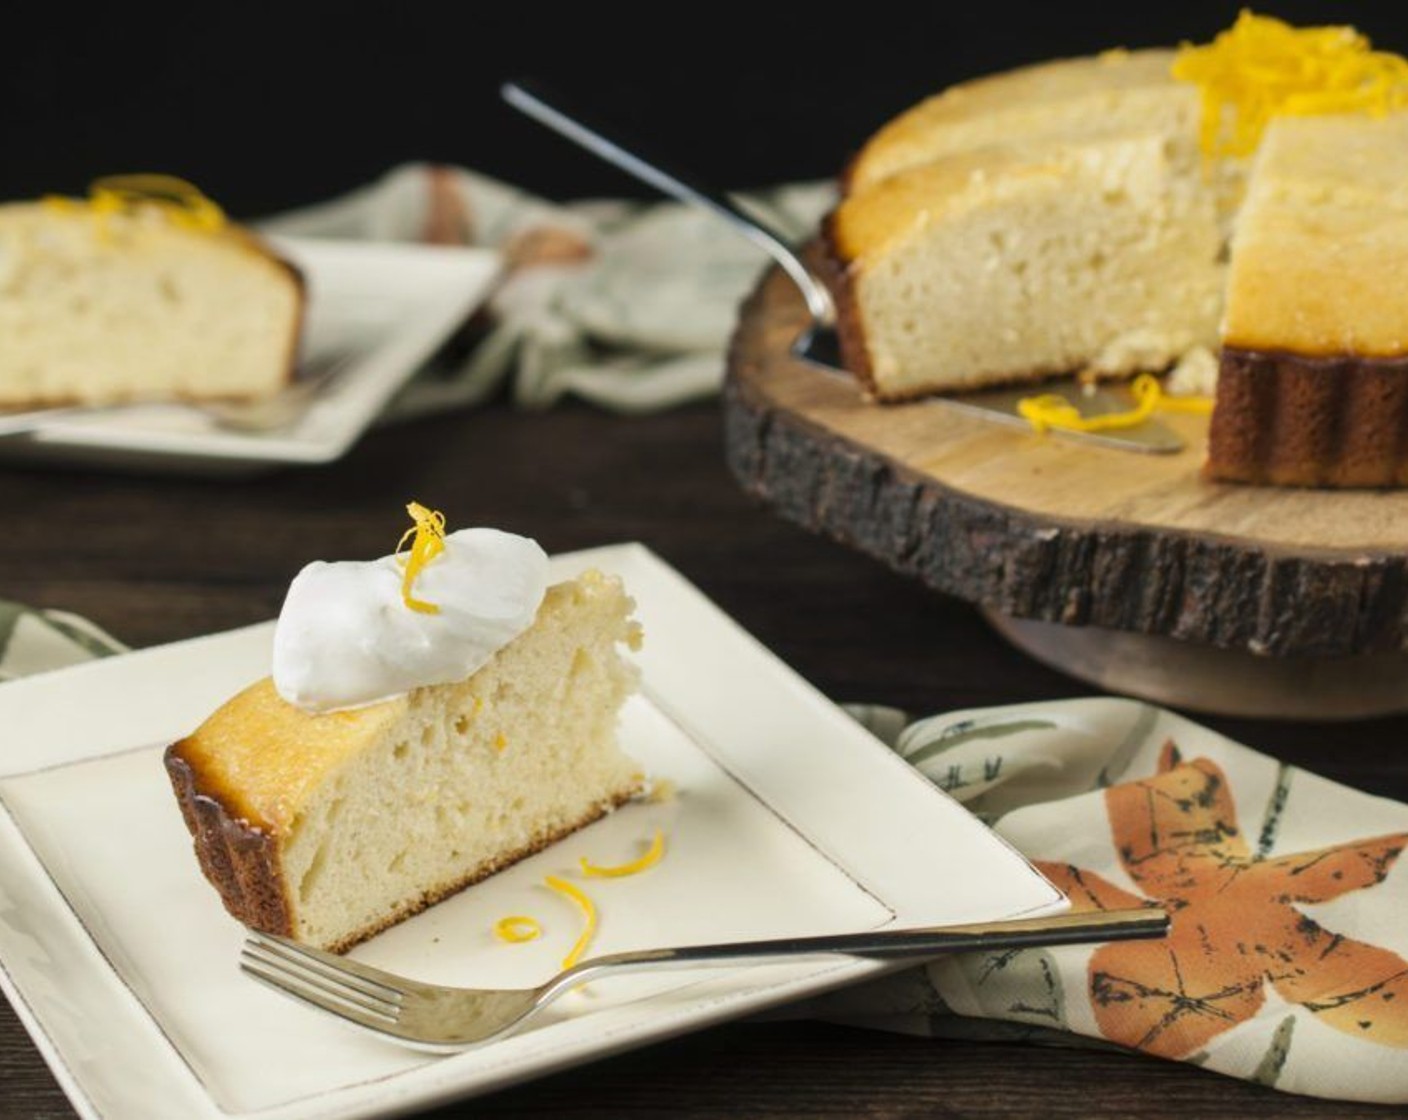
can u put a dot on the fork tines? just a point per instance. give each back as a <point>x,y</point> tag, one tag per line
<point>321,979</point>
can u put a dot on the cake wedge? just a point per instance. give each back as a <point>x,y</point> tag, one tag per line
<point>329,826</point>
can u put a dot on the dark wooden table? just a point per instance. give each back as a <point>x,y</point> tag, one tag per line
<point>157,559</point>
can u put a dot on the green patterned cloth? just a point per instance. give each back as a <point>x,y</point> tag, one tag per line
<point>628,305</point>
<point>1287,963</point>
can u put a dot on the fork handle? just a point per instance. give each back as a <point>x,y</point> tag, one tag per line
<point>883,944</point>
<point>536,101</point>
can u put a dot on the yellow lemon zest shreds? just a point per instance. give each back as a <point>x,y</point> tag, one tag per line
<point>648,860</point>
<point>588,907</point>
<point>1050,410</point>
<point>500,741</point>
<point>427,542</point>
<point>1199,406</point>
<point>1261,67</point>
<point>517,928</point>
<point>181,202</point>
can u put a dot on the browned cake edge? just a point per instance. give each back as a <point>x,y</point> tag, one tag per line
<point>1288,419</point>
<point>834,271</point>
<point>242,861</point>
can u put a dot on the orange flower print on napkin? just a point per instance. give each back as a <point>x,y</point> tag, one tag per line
<point>1236,923</point>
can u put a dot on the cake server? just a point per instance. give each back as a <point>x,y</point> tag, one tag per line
<point>442,1019</point>
<point>818,343</point>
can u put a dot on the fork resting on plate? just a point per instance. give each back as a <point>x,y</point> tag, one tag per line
<point>442,1019</point>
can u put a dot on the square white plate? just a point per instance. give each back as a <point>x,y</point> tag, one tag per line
<point>789,819</point>
<point>380,308</point>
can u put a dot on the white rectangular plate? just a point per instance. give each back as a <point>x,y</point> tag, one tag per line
<point>789,819</point>
<point>378,309</point>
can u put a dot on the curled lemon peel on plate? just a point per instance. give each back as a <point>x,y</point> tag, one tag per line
<point>427,538</point>
<point>649,859</point>
<point>1051,410</point>
<point>588,908</point>
<point>182,203</point>
<point>1262,67</point>
<point>517,928</point>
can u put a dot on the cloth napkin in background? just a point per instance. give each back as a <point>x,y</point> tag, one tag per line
<point>1287,963</point>
<point>628,305</point>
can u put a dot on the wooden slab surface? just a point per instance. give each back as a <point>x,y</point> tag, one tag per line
<point>1041,527</point>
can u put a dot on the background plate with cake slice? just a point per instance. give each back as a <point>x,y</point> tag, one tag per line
<point>372,314</point>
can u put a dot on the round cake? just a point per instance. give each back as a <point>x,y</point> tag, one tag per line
<point>1127,212</point>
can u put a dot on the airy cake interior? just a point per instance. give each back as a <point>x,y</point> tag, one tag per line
<point>98,308</point>
<point>369,815</point>
<point>1104,254</point>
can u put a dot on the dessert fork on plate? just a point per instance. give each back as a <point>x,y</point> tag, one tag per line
<point>443,1019</point>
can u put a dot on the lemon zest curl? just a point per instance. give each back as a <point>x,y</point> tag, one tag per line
<point>1051,410</point>
<point>517,928</point>
<point>649,859</point>
<point>427,538</point>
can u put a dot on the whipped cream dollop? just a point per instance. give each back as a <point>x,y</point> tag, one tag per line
<point>346,638</point>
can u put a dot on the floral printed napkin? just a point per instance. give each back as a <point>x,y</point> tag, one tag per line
<point>628,305</point>
<point>1287,963</point>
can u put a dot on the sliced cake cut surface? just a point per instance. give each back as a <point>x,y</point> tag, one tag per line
<point>99,306</point>
<point>1009,264</point>
<point>329,827</point>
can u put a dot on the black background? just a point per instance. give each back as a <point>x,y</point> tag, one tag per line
<point>267,108</point>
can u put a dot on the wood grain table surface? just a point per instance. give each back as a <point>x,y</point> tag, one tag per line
<point>154,559</point>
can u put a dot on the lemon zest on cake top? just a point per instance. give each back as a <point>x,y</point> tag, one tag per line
<point>427,542</point>
<point>651,857</point>
<point>1262,67</point>
<point>588,908</point>
<point>183,204</point>
<point>1051,410</point>
<point>517,928</point>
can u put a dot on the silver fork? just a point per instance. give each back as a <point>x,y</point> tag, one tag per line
<point>442,1019</point>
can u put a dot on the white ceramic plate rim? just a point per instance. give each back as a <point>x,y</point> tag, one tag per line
<point>849,768</point>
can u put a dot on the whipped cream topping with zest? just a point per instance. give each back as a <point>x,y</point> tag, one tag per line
<point>347,635</point>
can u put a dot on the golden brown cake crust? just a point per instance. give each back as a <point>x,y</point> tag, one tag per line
<point>1293,420</point>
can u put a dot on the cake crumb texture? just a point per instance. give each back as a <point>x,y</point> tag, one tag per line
<point>355,820</point>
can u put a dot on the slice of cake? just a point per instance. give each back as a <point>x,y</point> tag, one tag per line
<point>330,825</point>
<point>1007,264</point>
<point>1313,381</point>
<point>142,292</point>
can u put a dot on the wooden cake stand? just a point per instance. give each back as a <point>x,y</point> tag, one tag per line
<point>1123,569</point>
